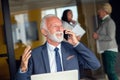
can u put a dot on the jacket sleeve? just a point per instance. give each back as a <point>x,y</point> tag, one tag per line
<point>26,75</point>
<point>86,57</point>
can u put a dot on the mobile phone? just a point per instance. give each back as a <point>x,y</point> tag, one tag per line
<point>66,35</point>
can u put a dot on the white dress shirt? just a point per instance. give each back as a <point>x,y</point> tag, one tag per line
<point>51,56</point>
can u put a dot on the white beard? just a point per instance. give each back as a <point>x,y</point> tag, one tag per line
<point>54,36</point>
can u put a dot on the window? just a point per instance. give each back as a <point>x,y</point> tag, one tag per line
<point>59,11</point>
<point>23,30</point>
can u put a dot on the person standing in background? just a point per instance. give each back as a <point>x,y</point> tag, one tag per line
<point>105,36</point>
<point>70,24</point>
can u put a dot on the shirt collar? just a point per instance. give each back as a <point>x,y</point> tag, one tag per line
<point>105,17</point>
<point>51,47</point>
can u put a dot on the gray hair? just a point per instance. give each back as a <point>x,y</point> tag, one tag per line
<point>106,7</point>
<point>43,21</point>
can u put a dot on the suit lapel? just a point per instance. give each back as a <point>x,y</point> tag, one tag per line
<point>64,56</point>
<point>45,58</point>
<point>64,52</point>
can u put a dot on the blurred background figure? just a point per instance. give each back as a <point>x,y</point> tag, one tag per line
<point>70,24</point>
<point>106,43</point>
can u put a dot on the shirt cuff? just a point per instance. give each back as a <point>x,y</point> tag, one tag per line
<point>20,71</point>
<point>76,44</point>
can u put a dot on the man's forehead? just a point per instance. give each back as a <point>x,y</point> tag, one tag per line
<point>55,24</point>
<point>54,21</point>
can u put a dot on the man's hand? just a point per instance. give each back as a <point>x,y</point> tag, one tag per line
<point>72,39</point>
<point>25,57</point>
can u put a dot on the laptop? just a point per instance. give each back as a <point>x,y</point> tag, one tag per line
<point>64,75</point>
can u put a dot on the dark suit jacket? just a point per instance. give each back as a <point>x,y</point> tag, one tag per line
<point>72,57</point>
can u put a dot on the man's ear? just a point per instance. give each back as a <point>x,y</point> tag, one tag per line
<point>44,32</point>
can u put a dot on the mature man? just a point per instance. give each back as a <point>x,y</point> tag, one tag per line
<point>55,55</point>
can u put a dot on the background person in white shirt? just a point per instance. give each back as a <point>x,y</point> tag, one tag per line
<point>70,24</point>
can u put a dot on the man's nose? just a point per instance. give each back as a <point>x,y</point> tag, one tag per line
<point>60,28</point>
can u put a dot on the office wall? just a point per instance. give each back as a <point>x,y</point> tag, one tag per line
<point>87,18</point>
